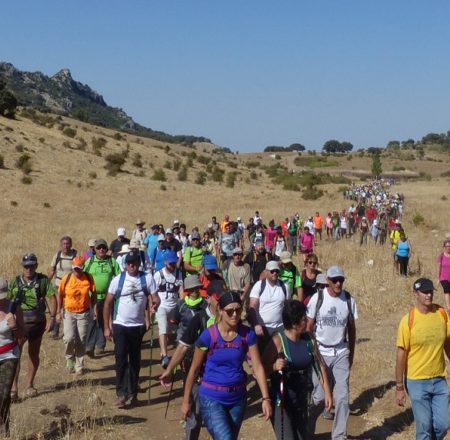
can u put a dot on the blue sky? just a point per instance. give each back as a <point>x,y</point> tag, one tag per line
<point>250,73</point>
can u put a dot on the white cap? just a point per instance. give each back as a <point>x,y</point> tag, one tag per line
<point>120,232</point>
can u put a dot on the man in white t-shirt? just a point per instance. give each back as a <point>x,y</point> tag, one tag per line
<point>127,300</point>
<point>169,288</point>
<point>267,299</point>
<point>331,315</point>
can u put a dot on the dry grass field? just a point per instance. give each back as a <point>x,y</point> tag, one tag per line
<point>65,197</point>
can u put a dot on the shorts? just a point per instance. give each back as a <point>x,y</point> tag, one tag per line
<point>446,286</point>
<point>164,316</point>
<point>34,324</point>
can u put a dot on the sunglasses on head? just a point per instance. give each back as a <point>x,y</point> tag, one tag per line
<point>337,280</point>
<point>231,312</point>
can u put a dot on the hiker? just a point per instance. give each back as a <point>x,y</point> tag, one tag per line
<point>279,245</point>
<point>222,349</point>
<point>157,258</point>
<point>151,242</point>
<point>121,256</point>
<point>403,253</point>
<point>270,236</point>
<point>257,260</point>
<point>306,242</point>
<point>76,295</point>
<point>169,288</point>
<point>135,247</point>
<point>374,231</point>
<point>318,226</point>
<point>172,244</point>
<point>289,274</point>
<point>329,225</point>
<point>308,278</point>
<point>343,225</point>
<point>128,295</point>
<point>258,235</point>
<point>331,315</point>
<point>444,272</point>
<point>140,233</point>
<point>423,337</point>
<point>363,231</point>
<point>291,356</point>
<point>33,293</point>
<point>267,298</point>
<point>103,268</point>
<point>11,328</point>
<point>215,226</point>
<point>208,243</point>
<point>193,256</point>
<point>184,353</point>
<point>238,276</point>
<point>227,242</point>
<point>310,224</point>
<point>61,265</point>
<point>209,273</point>
<point>382,228</point>
<point>116,244</point>
<point>91,249</point>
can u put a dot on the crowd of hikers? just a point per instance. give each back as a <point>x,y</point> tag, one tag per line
<point>230,295</point>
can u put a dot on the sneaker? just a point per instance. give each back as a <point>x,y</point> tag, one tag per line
<point>70,365</point>
<point>121,402</point>
<point>165,361</point>
<point>327,415</point>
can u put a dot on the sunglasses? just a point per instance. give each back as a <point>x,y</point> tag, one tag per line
<point>237,255</point>
<point>101,247</point>
<point>231,312</point>
<point>337,280</point>
<point>274,271</point>
<point>312,262</point>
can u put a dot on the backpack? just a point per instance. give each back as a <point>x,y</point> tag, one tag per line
<point>292,229</point>
<point>162,284</point>
<point>438,308</point>
<point>282,285</point>
<point>309,344</point>
<point>91,260</point>
<point>214,334</point>
<point>119,289</point>
<point>40,296</point>
<point>59,258</point>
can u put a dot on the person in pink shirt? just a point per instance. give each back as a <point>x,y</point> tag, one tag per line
<point>271,234</point>
<point>444,272</point>
<point>306,242</point>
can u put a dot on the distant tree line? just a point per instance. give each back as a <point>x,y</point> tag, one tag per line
<point>279,149</point>
<point>334,146</point>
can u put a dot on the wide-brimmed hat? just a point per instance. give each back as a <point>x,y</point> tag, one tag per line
<point>191,282</point>
<point>139,222</point>
<point>285,257</point>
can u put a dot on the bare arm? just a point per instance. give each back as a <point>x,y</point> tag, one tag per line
<point>310,325</point>
<point>400,368</point>
<point>176,359</point>
<point>270,355</point>
<point>107,316</point>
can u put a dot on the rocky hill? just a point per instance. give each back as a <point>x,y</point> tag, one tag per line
<point>63,95</point>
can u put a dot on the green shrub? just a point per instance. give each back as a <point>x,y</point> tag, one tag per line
<point>13,203</point>
<point>290,186</point>
<point>312,193</point>
<point>81,144</point>
<point>42,140</point>
<point>168,164</point>
<point>98,144</point>
<point>46,205</point>
<point>217,174</point>
<point>176,165</point>
<point>203,159</point>
<point>398,168</point>
<point>315,162</point>
<point>114,162</point>
<point>252,164</point>
<point>253,176</point>
<point>418,219</point>
<point>24,163</point>
<point>201,178</point>
<point>159,175</point>
<point>70,132</point>
<point>19,148</point>
<point>163,187</point>
<point>444,198</point>
<point>182,174</point>
<point>230,179</point>
<point>118,137</point>
<point>190,162</point>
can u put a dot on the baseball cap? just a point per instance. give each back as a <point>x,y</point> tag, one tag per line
<point>3,288</point>
<point>91,242</point>
<point>424,285</point>
<point>237,250</point>
<point>259,242</point>
<point>135,244</point>
<point>321,279</point>
<point>155,227</point>
<point>161,237</point>
<point>133,258</point>
<point>285,257</point>
<point>77,263</point>
<point>120,232</point>
<point>195,236</point>
<point>272,265</point>
<point>191,282</point>
<point>29,260</point>
<point>169,231</point>
<point>216,287</point>
<point>210,262</point>
<point>334,272</point>
<point>100,242</point>
<point>170,257</point>
<point>239,219</point>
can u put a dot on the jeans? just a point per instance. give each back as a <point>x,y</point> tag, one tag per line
<point>75,335</point>
<point>223,422</point>
<point>128,341</point>
<point>338,370</point>
<point>96,338</point>
<point>430,405</point>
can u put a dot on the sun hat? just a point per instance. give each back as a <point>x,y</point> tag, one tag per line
<point>170,257</point>
<point>285,257</point>
<point>135,243</point>
<point>121,232</point>
<point>29,260</point>
<point>91,242</point>
<point>124,249</point>
<point>210,262</point>
<point>77,262</point>
<point>140,222</point>
<point>334,272</point>
<point>272,265</point>
<point>3,288</point>
<point>321,279</point>
<point>424,285</point>
<point>169,231</point>
<point>191,282</point>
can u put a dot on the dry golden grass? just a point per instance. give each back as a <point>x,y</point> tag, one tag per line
<point>86,208</point>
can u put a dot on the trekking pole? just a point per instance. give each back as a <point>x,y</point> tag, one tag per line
<point>151,357</point>
<point>170,392</point>
<point>281,356</point>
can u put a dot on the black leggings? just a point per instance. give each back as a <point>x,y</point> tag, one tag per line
<point>403,264</point>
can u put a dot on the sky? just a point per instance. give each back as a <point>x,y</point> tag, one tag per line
<point>253,73</point>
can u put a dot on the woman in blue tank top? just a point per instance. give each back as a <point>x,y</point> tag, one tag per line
<point>403,253</point>
<point>290,359</point>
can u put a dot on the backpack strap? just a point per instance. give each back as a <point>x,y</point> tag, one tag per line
<point>313,353</point>
<point>144,284</point>
<point>438,308</point>
<point>65,281</point>
<point>119,293</point>
<point>319,303</point>
<point>89,263</point>
<point>214,335</point>
<point>285,345</point>
<point>263,286</point>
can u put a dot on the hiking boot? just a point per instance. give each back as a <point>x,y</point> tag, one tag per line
<point>165,361</point>
<point>70,365</point>
<point>121,402</point>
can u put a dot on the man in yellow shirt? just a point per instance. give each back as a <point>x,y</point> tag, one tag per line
<point>423,336</point>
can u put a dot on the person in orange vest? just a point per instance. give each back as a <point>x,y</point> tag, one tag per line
<point>318,226</point>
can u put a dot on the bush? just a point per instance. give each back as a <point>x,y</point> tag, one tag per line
<point>92,174</point>
<point>201,178</point>
<point>231,179</point>
<point>70,132</point>
<point>176,165</point>
<point>81,144</point>
<point>2,161</point>
<point>252,164</point>
<point>445,174</point>
<point>118,137</point>
<point>26,180</point>
<point>13,203</point>
<point>312,193</point>
<point>182,174</point>
<point>168,164</point>
<point>23,163</point>
<point>46,205</point>
<point>137,160</point>
<point>444,198</point>
<point>114,163</point>
<point>290,186</point>
<point>253,176</point>
<point>203,159</point>
<point>418,219</point>
<point>163,187</point>
<point>159,175</point>
<point>398,168</point>
<point>41,140</point>
<point>19,148</point>
<point>217,174</point>
<point>98,144</point>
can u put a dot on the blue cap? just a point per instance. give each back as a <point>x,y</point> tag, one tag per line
<point>170,257</point>
<point>210,262</point>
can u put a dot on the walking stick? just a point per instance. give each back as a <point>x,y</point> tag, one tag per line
<point>281,356</point>
<point>151,357</point>
<point>170,392</point>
